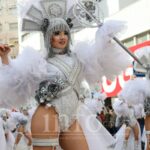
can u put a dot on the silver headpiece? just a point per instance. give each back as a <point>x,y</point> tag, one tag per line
<point>77,13</point>
<point>49,16</point>
<point>40,15</point>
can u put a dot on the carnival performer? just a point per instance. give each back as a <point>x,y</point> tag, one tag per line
<point>9,137</point>
<point>28,112</point>
<point>140,93</point>
<point>23,139</point>
<point>128,137</point>
<point>3,139</point>
<point>61,120</point>
<point>18,123</point>
<point>137,91</point>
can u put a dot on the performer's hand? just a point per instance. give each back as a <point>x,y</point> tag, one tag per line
<point>4,50</point>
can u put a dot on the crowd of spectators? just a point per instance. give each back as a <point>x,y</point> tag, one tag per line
<point>107,117</point>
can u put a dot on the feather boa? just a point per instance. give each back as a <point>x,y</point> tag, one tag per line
<point>20,79</point>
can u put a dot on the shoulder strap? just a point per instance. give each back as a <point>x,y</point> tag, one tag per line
<point>70,73</point>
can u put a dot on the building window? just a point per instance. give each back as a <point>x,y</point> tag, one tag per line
<point>137,39</point>
<point>141,38</point>
<point>0,3</point>
<point>129,42</point>
<point>13,10</point>
<point>1,41</point>
<point>1,28</point>
<point>13,26</point>
<point>1,11</point>
<point>148,36</point>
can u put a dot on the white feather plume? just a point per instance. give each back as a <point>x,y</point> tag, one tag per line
<point>97,103</point>
<point>144,55</point>
<point>135,91</point>
<point>103,56</point>
<point>21,78</point>
<point>138,111</point>
<point>120,107</point>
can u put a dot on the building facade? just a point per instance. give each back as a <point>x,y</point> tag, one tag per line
<point>136,14</point>
<point>9,25</point>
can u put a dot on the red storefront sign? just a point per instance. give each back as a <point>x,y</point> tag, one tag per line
<point>113,88</point>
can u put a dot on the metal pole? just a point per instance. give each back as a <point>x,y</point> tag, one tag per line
<point>128,51</point>
<point>114,38</point>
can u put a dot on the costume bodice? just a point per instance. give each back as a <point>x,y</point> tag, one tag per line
<point>66,71</point>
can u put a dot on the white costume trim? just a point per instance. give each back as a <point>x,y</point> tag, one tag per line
<point>2,136</point>
<point>98,138</point>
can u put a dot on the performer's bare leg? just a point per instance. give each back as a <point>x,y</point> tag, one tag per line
<point>44,125</point>
<point>127,132</point>
<point>73,138</point>
<point>126,136</point>
<point>147,129</point>
<point>136,132</point>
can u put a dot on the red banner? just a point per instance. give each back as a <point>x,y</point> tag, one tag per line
<point>113,88</point>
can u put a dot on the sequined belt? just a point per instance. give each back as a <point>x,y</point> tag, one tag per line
<point>48,91</point>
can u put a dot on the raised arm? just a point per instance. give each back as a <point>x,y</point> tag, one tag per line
<point>103,56</point>
<point>4,50</point>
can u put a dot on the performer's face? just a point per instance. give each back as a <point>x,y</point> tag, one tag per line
<point>59,39</point>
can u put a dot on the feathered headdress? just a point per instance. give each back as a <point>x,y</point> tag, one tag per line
<point>36,15</point>
<point>46,16</point>
<point>144,56</point>
<point>49,16</point>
